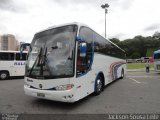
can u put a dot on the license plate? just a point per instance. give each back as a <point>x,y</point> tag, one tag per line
<point>40,94</point>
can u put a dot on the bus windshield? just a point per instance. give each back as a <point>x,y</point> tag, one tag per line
<point>52,54</point>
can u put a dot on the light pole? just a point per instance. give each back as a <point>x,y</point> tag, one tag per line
<point>105,6</point>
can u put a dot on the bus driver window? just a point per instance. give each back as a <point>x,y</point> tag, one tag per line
<point>80,62</point>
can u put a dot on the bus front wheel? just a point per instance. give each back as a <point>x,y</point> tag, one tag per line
<point>3,75</point>
<point>98,86</point>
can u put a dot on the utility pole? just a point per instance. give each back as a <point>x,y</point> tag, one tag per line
<point>105,6</point>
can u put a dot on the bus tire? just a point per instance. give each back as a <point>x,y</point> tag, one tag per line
<point>98,86</point>
<point>122,73</point>
<point>4,75</point>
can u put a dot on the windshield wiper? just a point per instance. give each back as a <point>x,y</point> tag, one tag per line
<point>44,57</point>
<point>43,61</point>
<point>38,57</point>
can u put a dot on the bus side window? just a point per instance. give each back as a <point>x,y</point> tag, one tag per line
<point>24,56</point>
<point>11,56</point>
<point>6,56</point>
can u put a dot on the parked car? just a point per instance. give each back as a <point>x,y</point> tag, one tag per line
<point>144,59</point>
<point>138,60</point>
<point>151,59</point>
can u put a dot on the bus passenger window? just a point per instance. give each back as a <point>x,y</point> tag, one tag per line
<point>6,56</point>
<point>24,56</point>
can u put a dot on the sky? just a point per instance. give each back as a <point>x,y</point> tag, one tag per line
<point>125,18</point>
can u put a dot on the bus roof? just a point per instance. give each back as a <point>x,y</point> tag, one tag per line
<point>73,23</point>
<point>79,25</point>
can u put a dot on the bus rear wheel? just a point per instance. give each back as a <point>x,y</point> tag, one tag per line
<point>122,74</point>
<point>98,86</point>
<point>3,75</point>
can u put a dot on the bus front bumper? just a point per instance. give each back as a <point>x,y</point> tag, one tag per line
<point>63,96</point>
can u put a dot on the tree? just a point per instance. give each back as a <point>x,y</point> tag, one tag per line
<point>156,35</point>
<point>135,55</point>
<point>139,46</point>
<point>115,40</point>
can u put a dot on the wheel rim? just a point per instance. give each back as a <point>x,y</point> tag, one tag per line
<point>99,85</point>
<point>3,76</point>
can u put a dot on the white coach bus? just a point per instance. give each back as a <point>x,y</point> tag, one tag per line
<point>12,64</point>
<point>68,62</point>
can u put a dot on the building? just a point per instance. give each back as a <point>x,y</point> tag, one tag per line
<point>8,42</point>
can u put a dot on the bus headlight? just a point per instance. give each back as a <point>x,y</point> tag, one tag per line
<point>64,87</point>
<point>26,84</point>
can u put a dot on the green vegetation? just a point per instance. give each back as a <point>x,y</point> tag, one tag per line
<point>138,65</point>
<point>150,52</point>
<point>139,46</point>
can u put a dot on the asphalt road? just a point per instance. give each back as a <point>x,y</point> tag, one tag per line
<point>139,92</point>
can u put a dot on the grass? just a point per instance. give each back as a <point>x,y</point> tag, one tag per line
<point>138,65</point>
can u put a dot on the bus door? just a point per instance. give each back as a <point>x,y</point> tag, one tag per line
<point>19,64</point>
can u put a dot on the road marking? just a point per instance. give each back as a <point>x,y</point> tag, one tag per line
<point>143,76</point>
<point>153,78</point>
<point>134,80</point>
<point>147,77</point>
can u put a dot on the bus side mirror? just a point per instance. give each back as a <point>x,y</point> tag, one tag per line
<point>23,47</point>
<point>83,49</point>
<point>79,38</point>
